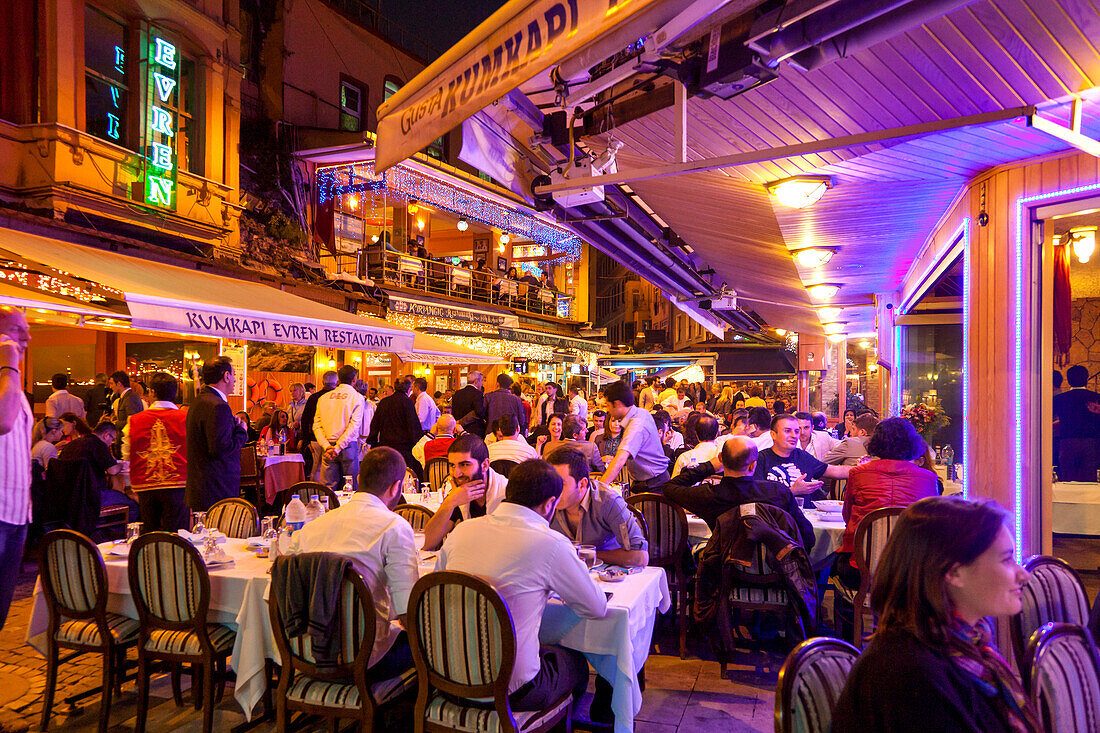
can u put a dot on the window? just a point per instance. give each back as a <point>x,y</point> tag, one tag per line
<point>390,87</point>
<point>351,106</point>
<point>435,150</point>
<point>106,62</point>
<point>185,102</point>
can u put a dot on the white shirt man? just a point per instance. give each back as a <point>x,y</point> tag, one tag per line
<point>426,409</point>
<point>579,406</point>
<point>380,543</point>
<point>336,427</point>
<point>815,442</point>
<point>647,400</point>
<point>529,560</point>
<point>706,429</point>
<point>511,448</point>
<point>60,402</point>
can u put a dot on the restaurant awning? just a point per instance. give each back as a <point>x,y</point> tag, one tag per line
<point>18,297</point>
<point>658,361</point>
<point>164,297</point>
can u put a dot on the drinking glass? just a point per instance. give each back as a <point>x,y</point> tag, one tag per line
<point>587,553</point>
<point>801,501</point>
<point>209,547</point>
<point>133,530</point>
<point>198,523</point>
<point>267,527</point>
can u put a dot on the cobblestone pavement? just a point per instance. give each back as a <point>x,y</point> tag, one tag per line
<point>681,696</point>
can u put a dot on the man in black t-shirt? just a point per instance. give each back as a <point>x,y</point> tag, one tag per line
<point>1078,428</point>
<point>95,449</point>
<point>791,466</point>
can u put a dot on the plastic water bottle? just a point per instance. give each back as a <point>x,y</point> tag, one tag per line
<point>295,513</point>
<point>324,504</point>
<point>314,509</point>
<point>348,486</point>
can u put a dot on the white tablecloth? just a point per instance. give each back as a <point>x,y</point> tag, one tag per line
<point>509,287</point>
<point>546,295</point>
<point>410,265</point>
<point>827,537</point>
<point>1076,508</point>
<point>271,460</point>
<point>460,278</point>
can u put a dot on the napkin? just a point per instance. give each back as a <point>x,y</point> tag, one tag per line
<point>198,540</point>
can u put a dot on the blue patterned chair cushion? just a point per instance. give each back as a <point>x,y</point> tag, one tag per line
<point>330,694</point>
<point>86,632</point>
<point>477,719</point>
<point>186,642</point>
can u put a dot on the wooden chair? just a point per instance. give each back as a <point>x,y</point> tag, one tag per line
<point>503,466</point>
<point>437,472</point>
<point>641,520</point>
<point>871,536</point>
<point>810,684</point>
<point>463,677</point>
<point>414,514</point>
<point>1053,592</point>
<point>251,478</point>
<point>306,490</point>
<point>1062,673</point>
<point>667,534</point>
<point>74,581</point>
<point>346,689</point>
<point>234,517</point>
<point>171,590</point>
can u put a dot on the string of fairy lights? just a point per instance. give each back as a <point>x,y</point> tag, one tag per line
<point>399,185</point>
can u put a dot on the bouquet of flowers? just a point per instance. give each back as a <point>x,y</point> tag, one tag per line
<point>928,420</point>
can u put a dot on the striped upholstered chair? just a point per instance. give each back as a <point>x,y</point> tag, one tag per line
<point>234,517</point>
<point>414,514</point>
<point>436,472</point>
<point>1053,592</point>
<point>464,646</point>
<point>668,536</point>
<point>171,590</point>
<point>74,581</point>
<point>346,689</point>
<point>306,490</point>
<point>810,683</point>
<point>1062,673</point>
<point>870,541</point>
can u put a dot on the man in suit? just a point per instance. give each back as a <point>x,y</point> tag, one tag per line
<point>468,405</point>
<point>396,425</point>
<point>126,404</point>
<point>214,439</point>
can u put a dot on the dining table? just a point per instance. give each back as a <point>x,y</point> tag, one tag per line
<point>281,472</point>
<point>616,645</point>
<point>828,533</point>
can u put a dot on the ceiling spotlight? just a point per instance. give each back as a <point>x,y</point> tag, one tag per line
<point>800,191</point>
<point>463,225</point>
<point>823,291</point>
<point>813,256</point>
<point>832,328</point>
<point>504,239</point>
<point>837,338</point>
<point>828,313</point>
<point>780,332</point>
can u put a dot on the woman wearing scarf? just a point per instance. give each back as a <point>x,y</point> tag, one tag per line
<point>948,566</point>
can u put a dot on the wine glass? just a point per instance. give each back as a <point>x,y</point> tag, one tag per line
<point>198,523</point>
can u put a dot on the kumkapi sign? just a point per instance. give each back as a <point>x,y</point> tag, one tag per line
<point>517,42</point>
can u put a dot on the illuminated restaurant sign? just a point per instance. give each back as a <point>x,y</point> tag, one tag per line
<point>430,310</point>
<point>204,321</point>
<point>513,45</point>
<point>160,122</point>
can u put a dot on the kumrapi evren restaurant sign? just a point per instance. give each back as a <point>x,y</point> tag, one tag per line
<point>514,44</point>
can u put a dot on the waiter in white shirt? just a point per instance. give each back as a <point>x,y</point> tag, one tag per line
<point>60,402</point>
<point>427,412</point>
<point>529,561</point>
<point>16,423</point>
<point>578,405</point>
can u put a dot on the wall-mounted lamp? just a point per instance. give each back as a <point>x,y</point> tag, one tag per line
<point>463,225</point>
<point>1083,240</point>
<point>504,239</point>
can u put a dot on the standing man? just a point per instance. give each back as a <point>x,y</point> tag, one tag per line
<point>336,428</point>
<point>1078,428</point>
<point>97,402</point>
<point>311,451</point>
<point>395,425</point>
<point>503,401</point>
<point>60,402</point>
<point>648,398</point>
<point>427,412</point>
<point>155,444</point>
<point>16,424</point>
<point>296,406</point>
<point>127,403</point>
<point>468,405</point>
<point>640,449</point>
<point>214,439</point>
<point>578,405</point>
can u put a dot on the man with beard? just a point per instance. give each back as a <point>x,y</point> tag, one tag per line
<point>475,489</point>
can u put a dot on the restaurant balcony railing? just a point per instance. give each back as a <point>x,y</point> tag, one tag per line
<point>435,277</point>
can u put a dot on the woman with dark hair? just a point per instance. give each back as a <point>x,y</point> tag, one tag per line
<point>889,479</point>
<point>72,427</point>
<point>279,430</point>
<point>949,565</point>
<point>553,426</point>
<point>847,428</point>
<point>607,444</point>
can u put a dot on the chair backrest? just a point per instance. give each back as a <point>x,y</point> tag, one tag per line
<point>73,575</point>
<point>414,514</point>
<point>1063,674</point>
<point>462,637</point>
<point>356,621</point>
<point>168,582</point>
<point>871,535</point>
<point>1053,592</point>
<point>411,474</point>
<point>306,490</point>
<point>667,527</point>
<point>234,517</point>
<point>810,683</point>
<point>250,468</point>
<point>437,471</point>
<point>641,520</point>
<point>503,466</point>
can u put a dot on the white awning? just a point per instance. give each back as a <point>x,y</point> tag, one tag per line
<point>428,349</point>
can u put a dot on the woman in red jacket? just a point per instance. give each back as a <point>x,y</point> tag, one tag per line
<point>891,478</point>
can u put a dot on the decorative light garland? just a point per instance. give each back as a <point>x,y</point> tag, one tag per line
<point>400,184</point>
<point>414,322</point>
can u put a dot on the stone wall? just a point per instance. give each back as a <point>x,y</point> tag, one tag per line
<point>1086,336</point>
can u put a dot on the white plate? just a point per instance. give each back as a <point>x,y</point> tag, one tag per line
<point>832,506</point>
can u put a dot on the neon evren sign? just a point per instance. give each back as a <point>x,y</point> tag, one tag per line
<point>160,123</point>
